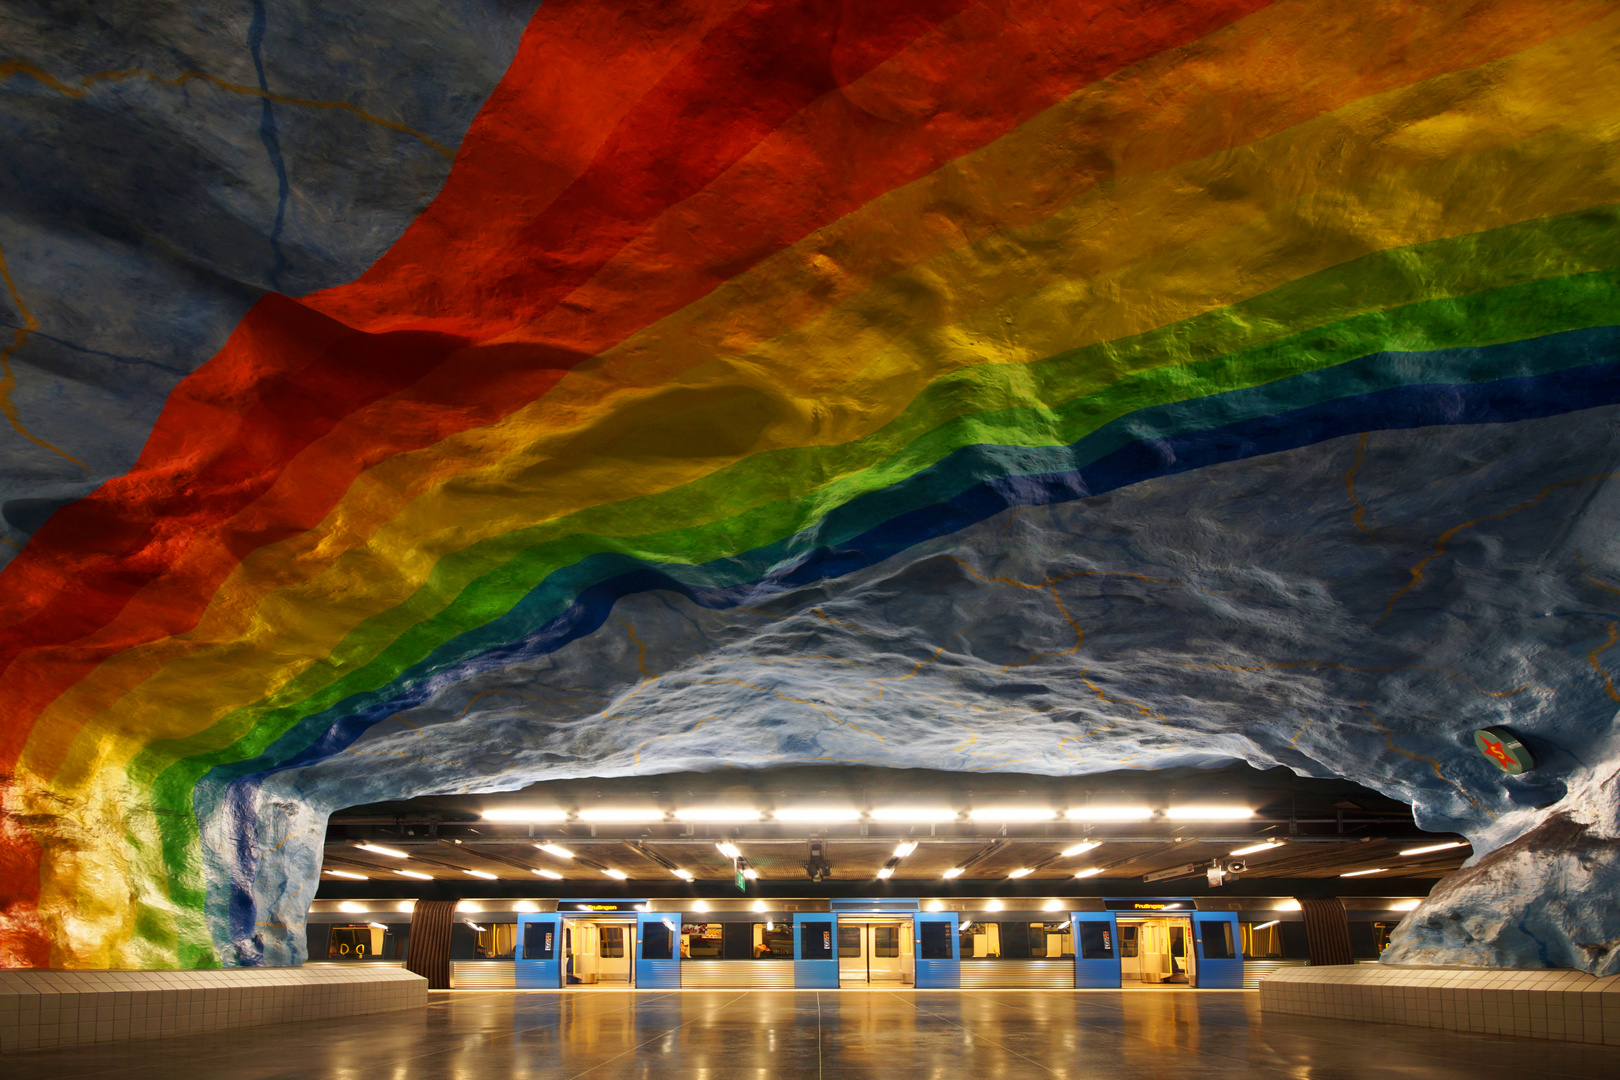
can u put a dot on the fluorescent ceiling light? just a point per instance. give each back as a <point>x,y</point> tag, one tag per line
<point>624,815</point>
<point>955,871</point>
<point>1252,848</point>
<point>817,815</point>
<point>885,872</point>
<point>729,850</point>
<point>718,815</point>
<point>346,874</point>
<point>480,873</point>
<point>392,853</point>
<point>750,873</point>
<point>1052,905</point>
<point>351,907</point>
<point>1013,814</point>
<point>1022,871</point>
<point>414,874</point>
<point>1363,873</point>
<point>1404,905</point>
<point>549,874</point>
<point>530,815</point>
<point>1203,812</point>
<point>1434,847</point>
<point>915,815</point>
<point>904,849</point>
<point>1109,813</point>
<point>1071,852</point>
<point>1262,926</point>
<point>616,875</point>
<point>553,849</point>
<point>376,926</point>
<point>684,875</point>
<point>1091,871</point>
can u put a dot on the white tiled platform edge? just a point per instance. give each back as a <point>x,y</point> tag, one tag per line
<point>66,1008</point>
<point>1569,1006</point>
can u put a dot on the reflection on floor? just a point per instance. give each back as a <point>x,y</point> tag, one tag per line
<point>731,1034</point>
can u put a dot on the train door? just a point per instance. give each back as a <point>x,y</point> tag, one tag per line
<point>815,965</point>
<point>599,952</point>
<point>938,965</point>
<point>1157,951</point>
<point>1220,950</point>
<point>1096,953</point>
<point>658,963</point>
<point>535,967</point>
<point>875,952</point>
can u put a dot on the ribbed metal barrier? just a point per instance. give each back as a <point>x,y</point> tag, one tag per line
<point>1018,974</point>
<point>737,974</point>
<point>482,975</point>
<point>1255,970</point>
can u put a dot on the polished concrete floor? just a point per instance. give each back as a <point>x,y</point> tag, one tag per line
<point>764,1035</point>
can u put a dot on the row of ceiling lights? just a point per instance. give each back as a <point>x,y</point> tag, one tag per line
<point>354,907</point>
<point>844,815</point>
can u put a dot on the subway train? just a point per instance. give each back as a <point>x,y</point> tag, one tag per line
<point>1160,943</point>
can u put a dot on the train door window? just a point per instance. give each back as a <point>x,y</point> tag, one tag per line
<point>885,941</point>
<point>1015,941</point>
<point>657,941</point>
<point>849,942</point>
<point>613,941</point>
<point>815,940</point>
<point>936,941</point>
<point>540,941</point>
<point>1096,941</point>
<point>1128,942</point>
<point>700,941</point>
<point>737,941</point>
<point>1051,941</point>
<point>1217,940</point>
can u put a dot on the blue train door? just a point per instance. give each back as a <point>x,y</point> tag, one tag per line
<point>1096,950</point>
<point>538,946</point>
<point>658,963</point>
<point>815,964</point>
<point>1220,950</point>
<point>938,965</point>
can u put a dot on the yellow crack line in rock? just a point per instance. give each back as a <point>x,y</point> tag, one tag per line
<point>1079,638</point>
<point>641,657</point>
<point>10,68</point>
<point>901,678</point>
<point>1435,765</point>
<point>1350,483</point>
<point>1591,658</point>
<point>1387,667</point>
<point>818,613</point>
<point>489,693</point>
<point>1292,743</point>
<point>647,742</point>
<point>1143,709</point>
<point>1447,536</point>
<point>8,381</point>
<point>785,697</point>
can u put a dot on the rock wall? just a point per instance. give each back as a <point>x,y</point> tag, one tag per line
<point>1053,388</point>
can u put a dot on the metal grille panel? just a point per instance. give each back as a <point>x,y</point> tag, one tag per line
<point>737,974</point>
<point>482,975</point>
<point>1018,974</point>
<point>1255,970</point>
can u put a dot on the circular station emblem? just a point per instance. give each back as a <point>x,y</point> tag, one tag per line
<point>1504,750</point>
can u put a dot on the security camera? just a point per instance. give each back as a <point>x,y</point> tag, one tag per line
<point>1216,875</point>
<point>1236,866</point>
<point>816,867</point>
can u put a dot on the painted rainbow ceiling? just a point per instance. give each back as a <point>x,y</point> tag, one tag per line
<point>746,299</point>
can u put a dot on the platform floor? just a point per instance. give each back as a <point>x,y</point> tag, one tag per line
<point>729,1035</point>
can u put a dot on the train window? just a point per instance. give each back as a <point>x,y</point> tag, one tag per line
<point>773,941</point>
<point>1015,940</point>
<point>1261,940</point>
<point>738,941</point>
<point>1217,938</point>
<point>612,941</point>
<point>657,940</point>
<point>885,941</point>
<point>1096,941</point>
<point>540,941</point>
<point>979,940</point>
<point>1052,940</point>
<point>1127,942</point>
<point>359,942</point>
<point>936,940</point>
<point>700,941</point>
<point>849,942</point>
<point>815,941</point>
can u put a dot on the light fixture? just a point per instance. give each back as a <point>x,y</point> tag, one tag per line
<point>1266,845</point>
<point>616,875</point>
<point>352,908</point>
<point>622,815</point>
<point>684,875</point>
<point>914,815</point>
<point>769,925</point>
<point>994,905</point>
<point>1071,852</point>
<point>405,905</point>
<point>1022,871</point>
<point>550,875</point>
<point>1364,873</point>
<point>476,927</point>
<point>376,926</point>
<point>526,906</point>
<point>759,905</point>
<point>1404,905</point>
<point>553,849</point>
<point>480,874</point>
<point>953,872</point>
<point>1052,905</point>
<point>700,905</point>
<point>1265,925</point>
<point>750,873</point>
<point>1434,847</point>
<point>1288,904</point>
<point>728,849</point>
<point>905,848</point>
<point>1013,814</point>
<point>1109,813</point>
<point>469,905</point>
<point>885,871</point>
<point>1205,812</point>
<point>1090,871</point>
<point>525,815</point>
<point>346,874</point>
<point>392,853</point>
<point>1066,924</point>
<point>717,815</point>
<point>817,815</point>
<point>936,905</point>
<point>414,874</point>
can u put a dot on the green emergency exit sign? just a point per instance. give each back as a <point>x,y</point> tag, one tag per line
<point>737,875</point>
